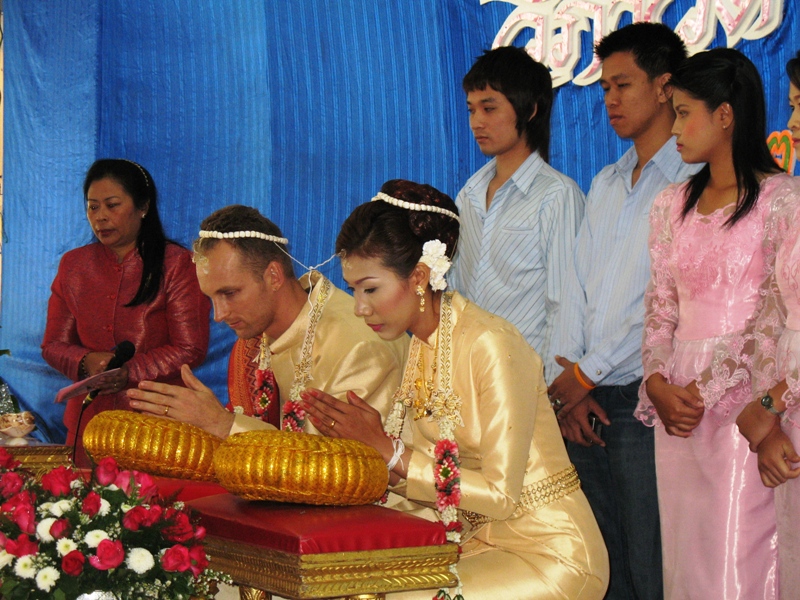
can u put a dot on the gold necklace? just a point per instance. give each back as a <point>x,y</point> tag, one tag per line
<point>423,406</point>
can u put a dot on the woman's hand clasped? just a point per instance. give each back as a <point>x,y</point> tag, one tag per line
<point>354,419</point>
<point>680,409</point>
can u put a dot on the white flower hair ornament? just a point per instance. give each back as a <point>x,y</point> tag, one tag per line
<point>434,255</point>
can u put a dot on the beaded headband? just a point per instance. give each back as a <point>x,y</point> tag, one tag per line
<point>138,166</point>
<point>243,234</point>
<point>412,206</point>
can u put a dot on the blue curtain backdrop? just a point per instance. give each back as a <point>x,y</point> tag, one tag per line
<point>301,109</point>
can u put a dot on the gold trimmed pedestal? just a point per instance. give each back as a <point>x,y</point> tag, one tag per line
<point>307,552</point>
<point>38,456</point>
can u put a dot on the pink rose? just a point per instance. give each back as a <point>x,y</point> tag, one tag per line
<point>181,529</point>
<point>135,518</point>
<point>60,529</point>
<point>106,471</point>
<point>200,533</point>
<point>10,484</point>
<point>7,460</point>
<point>176,559</point>
<point>58,481</point>
<point>22,546</point>
<point>199,561</point>
<point>72,563</point>
<point>123,481</point>
<point>91,504</point>
<point>146,484</point>
<point>110,555</point>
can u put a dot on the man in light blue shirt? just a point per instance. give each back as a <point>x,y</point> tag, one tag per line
<point>597,341</point>
<point>519,216</point>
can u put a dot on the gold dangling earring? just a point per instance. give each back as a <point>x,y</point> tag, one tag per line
<point>421,294</point>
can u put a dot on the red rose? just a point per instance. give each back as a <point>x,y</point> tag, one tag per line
<point>24,516</point>
<point>58,481</point>
<point>134,518</point>
<point>59,529</point>
<point>22,546</point>
<point>153,515</point>
<point>23,497</point>
<point>91,504</point>
<point>199,560</point>
<point>181,529</point>
<point>72,563</point>
<point>10,484</point>
<point>110,555</point>
<point>176,559</point>
<point>7,460</point>
<point>106,471</point>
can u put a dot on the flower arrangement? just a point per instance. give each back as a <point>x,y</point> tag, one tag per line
<point>65,536</point>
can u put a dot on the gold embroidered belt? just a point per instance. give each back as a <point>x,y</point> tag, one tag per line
<point>536,495</point>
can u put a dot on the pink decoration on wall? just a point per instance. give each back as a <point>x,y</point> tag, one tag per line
<point>556,27</point>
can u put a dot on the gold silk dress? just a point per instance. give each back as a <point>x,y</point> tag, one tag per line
<point>345,355</point>
<point>528,529</point>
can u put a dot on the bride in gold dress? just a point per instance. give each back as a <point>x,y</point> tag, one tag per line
<point>484,454</point>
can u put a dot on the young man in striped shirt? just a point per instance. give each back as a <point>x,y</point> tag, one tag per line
<point>519,216</point>
<point>598,334</point>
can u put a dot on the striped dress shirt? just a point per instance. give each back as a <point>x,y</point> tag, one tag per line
<point>602,314</point>
<point>511,257</point>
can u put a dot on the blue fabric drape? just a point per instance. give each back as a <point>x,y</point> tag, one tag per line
<point>301,109</point>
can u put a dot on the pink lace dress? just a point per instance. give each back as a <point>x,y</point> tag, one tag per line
<point>777,357</point>
<point>718,520</point>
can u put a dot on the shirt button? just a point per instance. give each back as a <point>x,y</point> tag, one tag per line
<point>598,372</point>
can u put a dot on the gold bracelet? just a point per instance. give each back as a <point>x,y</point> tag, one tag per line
<point>584,384</point>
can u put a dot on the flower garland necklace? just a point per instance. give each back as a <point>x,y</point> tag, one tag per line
<point>444,407</point>
<point>294,417</point>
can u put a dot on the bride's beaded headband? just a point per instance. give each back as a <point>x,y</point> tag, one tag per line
<point>243,234</point>
<point>380,196</point>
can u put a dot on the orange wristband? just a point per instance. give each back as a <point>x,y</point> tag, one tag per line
<point>584,384</point>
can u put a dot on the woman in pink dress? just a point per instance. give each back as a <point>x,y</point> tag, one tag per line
<point>707,265</point>
<point>771,422</point>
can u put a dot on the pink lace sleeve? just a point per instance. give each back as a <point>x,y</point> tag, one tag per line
<point>735,357</point>
<point>660,299</point>
<point>782,236</point>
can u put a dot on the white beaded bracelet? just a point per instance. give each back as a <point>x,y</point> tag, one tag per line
<point>397,457</point>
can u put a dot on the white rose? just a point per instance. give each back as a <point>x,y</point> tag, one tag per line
<point>59,508</point>
<point>140,560</point>
<point>43,529</point>
<point>105,507</point>
<point>46,578</point>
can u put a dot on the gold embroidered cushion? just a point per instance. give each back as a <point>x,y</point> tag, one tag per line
<point>152,444</point>
<point>286,466</point>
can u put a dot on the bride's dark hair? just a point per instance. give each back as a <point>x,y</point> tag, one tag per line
<point>394,234</point>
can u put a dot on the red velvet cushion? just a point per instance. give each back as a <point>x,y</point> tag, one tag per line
<point>305,529</point>
<point>186,489</point>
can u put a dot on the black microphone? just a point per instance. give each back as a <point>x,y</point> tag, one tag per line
<point>123,352</point>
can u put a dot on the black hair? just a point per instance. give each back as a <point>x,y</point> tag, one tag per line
<point>396,235</point>
<point>656,48</point>
<point>726,75</point>
<point>793,70</point>
<point>256,253</point>
<point>527,85</point>
<point>151,242</point>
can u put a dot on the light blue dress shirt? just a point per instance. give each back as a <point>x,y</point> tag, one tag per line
<point>511,257</point>
<point>602,313</point>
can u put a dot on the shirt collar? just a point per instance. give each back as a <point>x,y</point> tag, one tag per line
<point>667,160</point>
